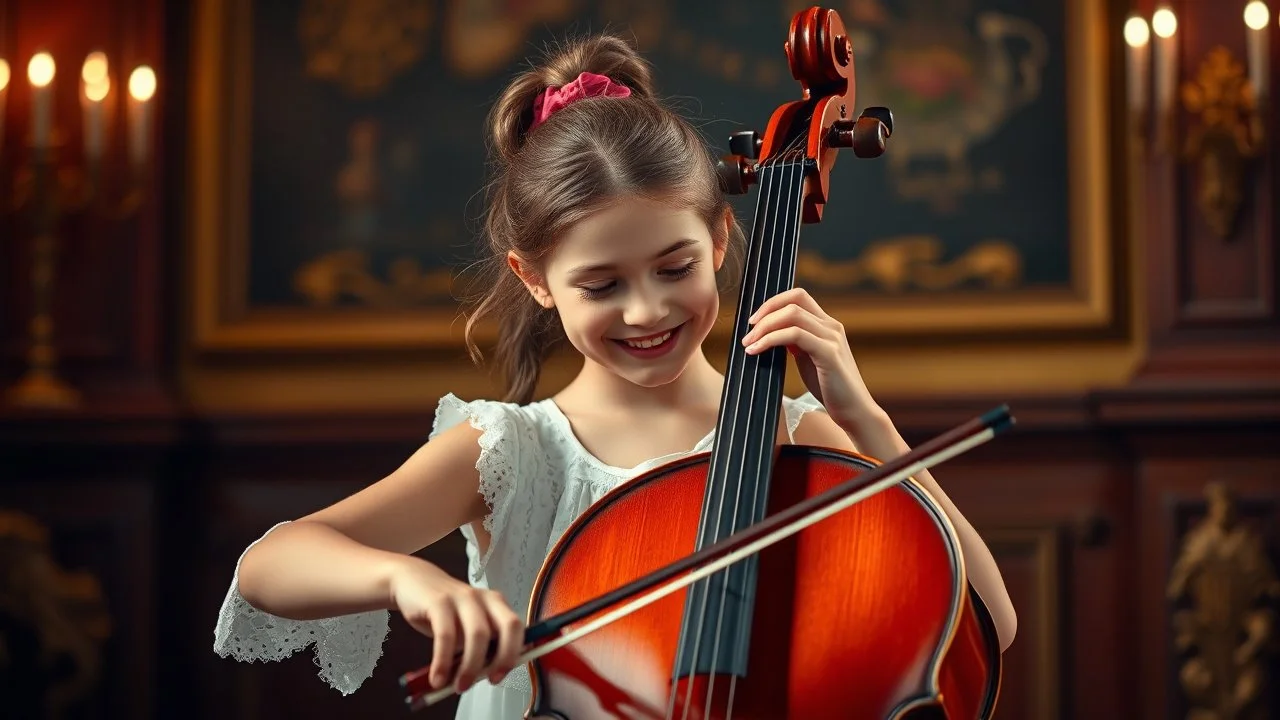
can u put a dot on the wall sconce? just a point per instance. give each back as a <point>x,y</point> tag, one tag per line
<point>47,190</point>
<point>1226,100</point>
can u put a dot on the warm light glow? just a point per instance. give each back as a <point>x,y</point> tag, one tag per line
<point>4,73</point>
<point>40,70</point>
<point>1136,32</point>
<point>142,83</point>
<point>97,92</point>
<point>1256,15</point>
<point>95,68</point>
<point>1164,23</point>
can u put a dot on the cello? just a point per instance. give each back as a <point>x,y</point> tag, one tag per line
<point>755,580</point>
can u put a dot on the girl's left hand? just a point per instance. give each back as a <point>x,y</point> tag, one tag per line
<point>794,320</point>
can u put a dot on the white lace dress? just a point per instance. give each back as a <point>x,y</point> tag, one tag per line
<point>537,478</point>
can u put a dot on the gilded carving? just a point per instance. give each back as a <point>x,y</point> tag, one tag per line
<point>1227,135</point>
<point>52,624</point>
<point>345,274</point>
<point>1226,589</point>
<point>915,261</point>
<point>362,45</point>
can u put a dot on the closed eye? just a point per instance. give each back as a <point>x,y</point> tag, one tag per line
<point>596,291</point>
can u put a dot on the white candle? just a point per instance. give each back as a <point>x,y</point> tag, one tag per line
<point>40,73</point>
<point>1165,56</point>
<point>4,94</point>
<point>1136,36</point>
<point>95,83</point>
<point>142,87</point>
<point>1256,17</point>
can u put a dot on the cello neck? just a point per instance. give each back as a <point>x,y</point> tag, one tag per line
<point>742,457</point>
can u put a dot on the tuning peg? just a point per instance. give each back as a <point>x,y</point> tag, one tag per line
<point>883,114</point>
<point>736,174</point>
<point>867,135</point>
<point>746,143</point>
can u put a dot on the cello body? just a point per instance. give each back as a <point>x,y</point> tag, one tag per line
<point>866,615</point>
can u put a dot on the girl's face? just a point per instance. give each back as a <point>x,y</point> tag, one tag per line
<point>635,288</point>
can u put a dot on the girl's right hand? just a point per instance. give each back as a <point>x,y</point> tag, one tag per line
<point>453,613</point>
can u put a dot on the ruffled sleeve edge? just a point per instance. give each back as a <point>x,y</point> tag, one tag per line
<point>496,465</point>
<point>797,408</point>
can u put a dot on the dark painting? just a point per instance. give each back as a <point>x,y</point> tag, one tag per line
<point>367,163</point>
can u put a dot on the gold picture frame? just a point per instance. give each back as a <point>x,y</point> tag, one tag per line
<point>1092,305</point>
<point>224,320</point>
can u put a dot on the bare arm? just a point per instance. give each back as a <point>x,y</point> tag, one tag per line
<point>342,559</point>
<point>876,436</point>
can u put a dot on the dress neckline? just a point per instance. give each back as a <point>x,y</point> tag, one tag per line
<point>567,427</point>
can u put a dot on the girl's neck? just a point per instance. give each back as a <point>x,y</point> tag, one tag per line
<point>700,384</point>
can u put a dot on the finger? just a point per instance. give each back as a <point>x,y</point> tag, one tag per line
<point>510,630</point>
<point>444,636</point>
<point>794,296</point>
<point>475,638</point>
<point>789,316</point>
<point>806,341</point>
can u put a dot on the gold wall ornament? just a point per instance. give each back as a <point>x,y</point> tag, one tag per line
<point>328,279</point>
<point>897,264</point>
<point>1227,134</point>
<point>362,45</point>
<point>54,624</point>
<point>1225,590</point>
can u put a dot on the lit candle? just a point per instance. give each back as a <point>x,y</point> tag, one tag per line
<point>4,94</point>
<point>1136,36</point>
<point>1256,17</point>
<point>1165,55</point>
<point>94,86</point>
<point>142,87</point>
<point>40,72</point>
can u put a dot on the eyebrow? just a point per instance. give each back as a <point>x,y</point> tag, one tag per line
<point>678,245</point>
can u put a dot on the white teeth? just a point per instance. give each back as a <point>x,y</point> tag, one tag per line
<point>651,342</point>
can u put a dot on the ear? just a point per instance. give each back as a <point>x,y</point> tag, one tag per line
<point>722,245</point>
<point>532,279</point>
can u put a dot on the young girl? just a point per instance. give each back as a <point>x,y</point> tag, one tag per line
<point>607,227</point>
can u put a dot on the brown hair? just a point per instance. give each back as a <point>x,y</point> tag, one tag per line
<point>577,161</point>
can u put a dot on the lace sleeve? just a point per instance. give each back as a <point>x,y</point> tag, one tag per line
<point>797,409</point>
<point>501,448</point>
<point>346,647</point>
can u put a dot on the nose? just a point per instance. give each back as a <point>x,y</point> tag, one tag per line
<point>645,308</point>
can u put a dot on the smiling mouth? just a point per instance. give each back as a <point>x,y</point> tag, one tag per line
<point>649,342</point>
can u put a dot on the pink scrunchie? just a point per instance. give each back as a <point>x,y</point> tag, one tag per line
<point>586,86</point>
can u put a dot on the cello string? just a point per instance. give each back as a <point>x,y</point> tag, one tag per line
<point>716,460</point>
<point>723,450</point>
<point>782,247</point>
<point>765,285</point>
<point>757,286</point>
<point>725,437</point>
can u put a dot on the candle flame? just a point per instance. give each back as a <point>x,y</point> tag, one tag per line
<point>41,69</point>
<point>142,83</point>
<point>4,74</point>
<point>1256,15</point>
<point>1136,32</point>
<point>95,68</point>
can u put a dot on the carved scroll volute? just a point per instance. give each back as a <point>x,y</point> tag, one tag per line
<point>52,624</point>
<point>1226,594</point>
